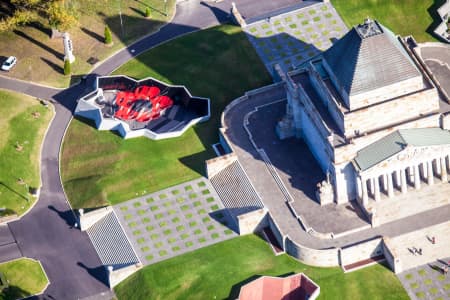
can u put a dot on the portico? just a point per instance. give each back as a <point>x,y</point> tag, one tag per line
<point>404,159</point>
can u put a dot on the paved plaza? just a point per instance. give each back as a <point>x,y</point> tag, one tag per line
<point>427,281</point>
<point>174,221</point>
<point>294,37</point>
<point>300,174</point>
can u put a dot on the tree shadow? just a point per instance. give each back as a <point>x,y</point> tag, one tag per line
<point>38,26</point>
<point>54,66</point>
<point>14,191</point>
<point>221,15</point>
<point>38,43</point>
<point>14,292</point>
<point>98,273</point>
<point>67,215</point>
<point>93,34</point>
<point>432,10</point>
<point>138,11</point>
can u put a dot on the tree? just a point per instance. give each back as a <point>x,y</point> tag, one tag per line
<point>26,11</point>
<point>147,12</point>
<point>108,36</point>
<point>67,67</point>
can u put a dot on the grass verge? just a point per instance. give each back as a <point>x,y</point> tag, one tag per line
<point>40,59</point>
<point>218,272</point>
<point>25,278</point>
<point>403,17</point>
<point>23,123</point>
<point>218,63</point>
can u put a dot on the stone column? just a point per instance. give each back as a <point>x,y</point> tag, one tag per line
<point>390,186</point>
<point>377,188</point>
<point>443,169</point>
<point>384,180</point>
<point>437,166</point>
<point>365,195</point>
<point>404,184</point>
<point>372,186</point>
<point>423,170</point>
<point>398,182</point>
<point>416,177</point>
<point>359,188</point>
<point>430,172</point>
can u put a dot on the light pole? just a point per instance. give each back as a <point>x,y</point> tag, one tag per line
<point>120,16</point>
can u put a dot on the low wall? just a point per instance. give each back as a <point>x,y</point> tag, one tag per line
<point>116,276</point>
<point>361,251</point>
<point>253,221</point>
<point>86,220</point>
<point>314,257</point>
<point>217,164</point>
<point>391,256</point>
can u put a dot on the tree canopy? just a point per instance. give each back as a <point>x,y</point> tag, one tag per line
<point>56,13</point>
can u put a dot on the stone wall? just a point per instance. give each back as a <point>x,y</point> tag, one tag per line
<point>314,257</point>
<point>253,221</point>
<point>361,251</point>
<point>391,256</point>
<point>217,164</point>
<point>348,152</point>
<point>116,276</point>
<point>88,219</point>
<point>391,112</point>
<point>387,92</point>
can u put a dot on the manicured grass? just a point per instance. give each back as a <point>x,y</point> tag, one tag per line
<point>403,17</point>
<point>40,59</point>
<point>218,271</point>
<point>25,277</point>
<point>21,136</point>
<point>218,63</point>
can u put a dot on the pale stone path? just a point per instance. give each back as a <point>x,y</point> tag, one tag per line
<point>174,221</point>
<point>421,239</point>
<point>413,202</point>
<point>296,36</point>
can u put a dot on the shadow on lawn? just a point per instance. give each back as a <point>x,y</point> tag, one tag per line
<point>38,43</point>
<point>93,34</point>
<point>432,10</point>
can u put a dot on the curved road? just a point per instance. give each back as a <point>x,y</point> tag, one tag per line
<point>45,233</point>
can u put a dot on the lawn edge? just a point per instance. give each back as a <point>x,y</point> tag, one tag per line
<point>42,268</point>
<point>40,170</point>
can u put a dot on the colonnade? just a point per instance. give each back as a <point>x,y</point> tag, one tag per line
<point>400,179</point>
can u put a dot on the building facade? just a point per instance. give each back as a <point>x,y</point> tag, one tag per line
<point>370,115</point>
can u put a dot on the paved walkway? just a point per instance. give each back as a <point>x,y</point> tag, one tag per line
<point>427,281</point>
<point>174,221</point>
<point>437,58</point>
<point>293,37</point>
<point>273,197</point>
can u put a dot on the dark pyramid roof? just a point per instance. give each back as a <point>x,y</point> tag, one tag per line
<point>368,57</point>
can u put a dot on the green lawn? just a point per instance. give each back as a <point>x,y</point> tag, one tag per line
<point>40,59</point>
<point>218,63</point>
<point>403,17</point>
<point>21,135</point>
<point>25,278</point>
<point>218,271</point>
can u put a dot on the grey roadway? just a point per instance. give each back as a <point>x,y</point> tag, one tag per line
<point>45,233</point>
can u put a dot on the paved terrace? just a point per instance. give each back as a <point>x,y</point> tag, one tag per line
<point>293,35</point>
<point>273,197</point>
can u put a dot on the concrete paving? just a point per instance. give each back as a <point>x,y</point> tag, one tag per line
<point>437,59</point>
<point>300,174</point>
<point>427,281</point>
<point>174,221</point>
<point>273,198</point>
<point>295,36</point>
